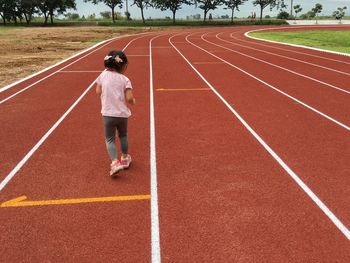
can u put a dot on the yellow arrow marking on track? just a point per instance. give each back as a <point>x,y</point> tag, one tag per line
<point>20,201</point>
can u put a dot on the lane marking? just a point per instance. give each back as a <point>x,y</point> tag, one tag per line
<point>103,44</point>
<point>57,64</point>
<point>291,173</point>
<point>22,201</point>
<point>155,239</point>
<point>294,45</point>
<point>81,71</point>
<point>283,68</point>
<point>288,50</point>
<point>162,47</point>
<point>277,66</point>
<point>14,171</point>
<point>282,56</point>
<point>182,89</point>
<point>274,88</point>
<point>138,55</point>
<point>204,63</point>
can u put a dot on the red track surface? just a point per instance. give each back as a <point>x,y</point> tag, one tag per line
<point>221,196</point>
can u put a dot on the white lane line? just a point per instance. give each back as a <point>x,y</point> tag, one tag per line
<point>274,88</point>
<point>286,57</point>
<point>289,50</point>
<point>291,173</point>
<point>293,45</point>
<point>14,171</point>
<point>57,64</point>
<point>80,71</point>
<point>40,80</point>
<point>274,65</point>
<point>155,239</point>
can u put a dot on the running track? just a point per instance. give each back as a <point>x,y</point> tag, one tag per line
<point>241,153</point>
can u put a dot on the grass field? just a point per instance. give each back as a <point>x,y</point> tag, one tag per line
<point>330,40</point>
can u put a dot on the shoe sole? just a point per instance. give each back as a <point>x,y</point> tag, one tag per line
<point>114,174</point>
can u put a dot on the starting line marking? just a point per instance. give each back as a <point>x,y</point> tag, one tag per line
<point>21,201</point>
<point>206,89</point>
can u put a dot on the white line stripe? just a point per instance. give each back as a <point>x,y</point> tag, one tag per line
<point>57,64</point>
<point>306,189</point>
<point>289,50</point>
<point>41,141</point>
<point>293,45</point>
<point>47,134</point>
<point>274,88</point>
<point>156,257</point>
<point>286,57</point>
<point>274,65</point>
<point>61,62</point>
<point>80,71</point>
<point>40,80</point>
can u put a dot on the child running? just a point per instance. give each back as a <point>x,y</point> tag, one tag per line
<point>116,91</point>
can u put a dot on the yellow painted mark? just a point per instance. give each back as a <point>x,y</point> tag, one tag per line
<point>183,89</point>
<point>20,201</point>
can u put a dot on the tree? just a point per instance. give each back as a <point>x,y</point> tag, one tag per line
<point>297,9</point>
<point>283,15</point>
<point>112,4</point>
<point>72,16</point>
<point>316,10</point>
<point>49,7</point>
<point>208,5</point>
<point>172,5</point>
<point>6,9</point>
<point>142,4</point>
<point>265,3</point>
<point>28,8</point>
<point>233,4</point>
<point>106,14</point>
<point>340,13</point>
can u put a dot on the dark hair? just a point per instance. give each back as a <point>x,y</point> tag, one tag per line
<point>115,60</point>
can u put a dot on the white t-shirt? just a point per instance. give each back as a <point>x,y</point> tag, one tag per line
<point>113,101</point>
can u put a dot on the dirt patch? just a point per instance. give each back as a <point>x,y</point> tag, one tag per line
<point>25,51</point>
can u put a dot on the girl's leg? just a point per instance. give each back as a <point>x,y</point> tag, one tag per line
<point>123,135</point>
<point>110,124</point>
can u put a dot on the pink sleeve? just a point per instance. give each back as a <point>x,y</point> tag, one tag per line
<point>128,84</point>
<point>98,81</point>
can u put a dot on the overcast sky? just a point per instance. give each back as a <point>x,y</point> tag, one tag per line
<point>329,6</point>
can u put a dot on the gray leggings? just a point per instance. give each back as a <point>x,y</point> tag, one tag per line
<point>111,124</point>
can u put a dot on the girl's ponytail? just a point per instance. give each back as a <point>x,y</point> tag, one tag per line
<point>115,60</point>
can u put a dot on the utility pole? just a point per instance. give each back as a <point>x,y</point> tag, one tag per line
<point>127,6</point>
<point>291,7</point>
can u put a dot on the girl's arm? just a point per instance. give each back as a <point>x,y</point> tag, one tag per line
<point>98,89</point>
<point>130,97</point>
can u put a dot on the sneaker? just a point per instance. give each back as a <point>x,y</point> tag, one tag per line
<point>116,166</point>
<point>126,161</point>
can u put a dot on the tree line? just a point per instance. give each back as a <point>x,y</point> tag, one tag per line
<point>14,10</point>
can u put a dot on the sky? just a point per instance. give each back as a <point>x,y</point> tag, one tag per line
<point>329,6</point>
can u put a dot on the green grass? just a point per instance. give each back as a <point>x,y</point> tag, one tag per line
<point>329,40</point>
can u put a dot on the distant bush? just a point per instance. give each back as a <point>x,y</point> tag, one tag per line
<point>283,15</point>
<point>167,22</point>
